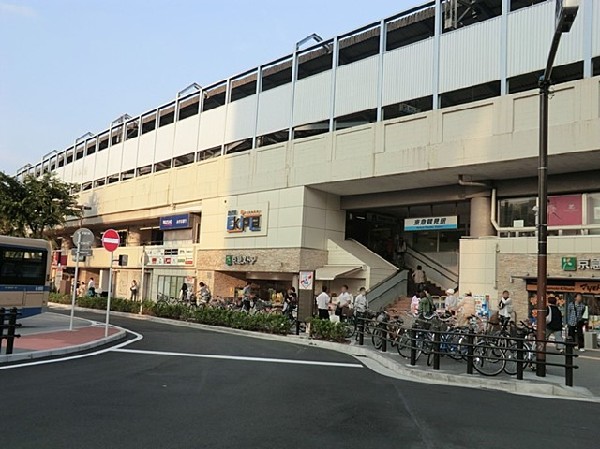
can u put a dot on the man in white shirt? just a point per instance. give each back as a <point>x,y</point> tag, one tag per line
<point>344,302</point>
<point>360,302</point>
<point>506,305</point>
<point>451,301</point>
<point>323,304</point>
<point>91,287</point>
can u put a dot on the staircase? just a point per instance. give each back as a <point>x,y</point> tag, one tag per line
<point>388,291</point>
<point>439,277</point>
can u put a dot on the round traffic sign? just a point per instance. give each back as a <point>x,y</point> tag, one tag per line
<point>110,240</point>
<point>83,236</point>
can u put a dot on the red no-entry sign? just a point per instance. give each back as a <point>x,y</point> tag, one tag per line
<point>110,240</point>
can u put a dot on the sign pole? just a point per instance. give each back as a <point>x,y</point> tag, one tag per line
<point>74,295</point>
<point>110,271</point>
<point>141,285</point>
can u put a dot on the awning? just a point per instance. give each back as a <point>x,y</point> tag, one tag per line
<point>331,272</point>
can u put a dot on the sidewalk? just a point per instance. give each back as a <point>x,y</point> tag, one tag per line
<point>48,334</point>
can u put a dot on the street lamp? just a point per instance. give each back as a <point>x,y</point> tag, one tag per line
<point>566,11</point>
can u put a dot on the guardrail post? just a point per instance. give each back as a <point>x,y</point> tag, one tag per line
<point>520,359</point>
<point>413,347</point>
<point>384,336</point>
<point>470,342</point>
<point>361,330</point>
<point>2,313</point>
<point>12,326</point>
<point>436,350</point>
<point>569,344</point>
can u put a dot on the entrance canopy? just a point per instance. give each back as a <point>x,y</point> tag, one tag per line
<point>331,272</point>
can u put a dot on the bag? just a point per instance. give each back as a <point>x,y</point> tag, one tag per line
<point>549,315</point>
<point>338,310</point>
<point>586,313</point>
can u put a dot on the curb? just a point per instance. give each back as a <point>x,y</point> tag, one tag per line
<point>385,365</point>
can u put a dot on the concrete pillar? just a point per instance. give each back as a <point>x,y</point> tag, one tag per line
<point>481,224</point>
<point>134,237</point>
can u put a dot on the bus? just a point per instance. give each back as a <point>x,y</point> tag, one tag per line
<point>25,274</point>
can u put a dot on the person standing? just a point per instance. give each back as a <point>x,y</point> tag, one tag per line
<point>360,302</point>
<point>451,301</point>
<point>344,302</point>
<point>414,303</point>
<point>183,292</point>
<point>505,306</point>
<point>246,293</point>
<point>323,304</point>
<point>419,278</point>
<point>204,294</point>
<point>134,290</point>
<point>426,305</point>
<point>91,287</point>
<point>576,320</point>
<point>554,323</point>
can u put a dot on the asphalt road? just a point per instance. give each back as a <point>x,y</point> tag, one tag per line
<point>159,400</point>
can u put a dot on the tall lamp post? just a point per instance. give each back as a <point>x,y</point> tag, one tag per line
<point>566,11</point>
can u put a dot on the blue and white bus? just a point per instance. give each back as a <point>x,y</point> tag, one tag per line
<point>25,274</point>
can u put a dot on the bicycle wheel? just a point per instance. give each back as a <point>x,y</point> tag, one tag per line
<point>511,354</point>
<point>404,345</point>
<point>487,358</point>
<point>377,338</point>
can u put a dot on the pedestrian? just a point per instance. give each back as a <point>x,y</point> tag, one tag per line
<point>290,301</point>
<point>554,323</point>
<point>183,292</point>
<point>414,303</point>
<point>134,290</point>
<point>204,295</point>
<point>323,304</point>
<point>91,288</point>
<point>419,278</point>
<point>360,303</point>
<point>451,302</point>
<point>576,319</point>
<point>343,304</point>
<point>246,294</point>
<point>426,305</point>
<point>505,307</point>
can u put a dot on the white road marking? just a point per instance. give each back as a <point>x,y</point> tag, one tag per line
<point>241,358</point>
<point>138,337</point>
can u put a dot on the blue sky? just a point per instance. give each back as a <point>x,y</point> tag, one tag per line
<point>72,66</point>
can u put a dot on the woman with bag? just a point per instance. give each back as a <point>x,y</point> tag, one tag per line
<point>554,323</point>
<point>576,319</point>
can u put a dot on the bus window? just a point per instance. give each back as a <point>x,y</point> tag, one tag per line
<point>22,267</point>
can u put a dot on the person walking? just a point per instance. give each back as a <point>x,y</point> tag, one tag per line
<point>134,290</point>
<point>414,303</point>
<point>204,294</point>
<point>183,292</point>
<point>554,323</point>
<point>91,288</point>
<point>576,320</point>
<point>451,302</point>
<point>343,304</point>
<point>426,305</point>
<point>419,278</point>
<point>323,304</point>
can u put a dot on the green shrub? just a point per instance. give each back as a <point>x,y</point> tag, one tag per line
<point>60,298</point>
<point>327,330</point>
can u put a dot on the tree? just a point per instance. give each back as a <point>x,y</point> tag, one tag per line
<point>34,206</point>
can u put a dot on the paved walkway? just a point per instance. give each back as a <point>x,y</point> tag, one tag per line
<point>48,334</point>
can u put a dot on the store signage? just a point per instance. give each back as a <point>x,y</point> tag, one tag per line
<point>431,223</point>
<point>247,222</point>
<point>565,210</point>
<point>181,221</point>
<point>576,287</point>
<point>306,280</point>
<point>174,257</point>
<point>240,260</point>
<point>574,264</point>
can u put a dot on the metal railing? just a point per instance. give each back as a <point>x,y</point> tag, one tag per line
<point>487,353</point>
<point>10,317</point>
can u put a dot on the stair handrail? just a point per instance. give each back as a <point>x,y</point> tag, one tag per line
<point>432,264</point>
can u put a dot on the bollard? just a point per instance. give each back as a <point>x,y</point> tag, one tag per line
<point>361,331</point>
<point>436,350</point>
<point>12,325</point>
<point>413,347</point>
<point>470,342</point>
<point>2,312</point>
<point>384,336</point>
<point>569,345</point>
<point>520,359</point>
<point>297,326</point>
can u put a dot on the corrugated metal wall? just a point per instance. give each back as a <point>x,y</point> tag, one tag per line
<point>145,151</point>
<point>470,56</point>
<point>311,99</point>
<point>407,72</point>
<point>241,119</point>
<point>130,150</point>
<point>100,170</point>
<point>356,86</point>
<point>274,109</point>
<point>115,156</point>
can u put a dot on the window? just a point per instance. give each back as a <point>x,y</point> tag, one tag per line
<point>189,107</point>
<point>359,46</point>
<point>132,129</point>
<point>167,116</point>
<point>79,153</point>
<point>183,160</point>
<point>117,135</point>
<point>517,212</point>
<point>277,75</point>
<point>91,149</point>
<point>22,266</point>
<point>470,94</point>
<point>171,285</point>
<point>163,165</point>
<point>270,139</point>
<point>240,145</point>
<point>593,208</point>
<point>356,119</point>
<point>208,154</point>
<point>408,107</point>
<point>315,61</point>
<point>148,123</point>
<point>243,87</point>
<point>214,97</point>
<point>103,145</point>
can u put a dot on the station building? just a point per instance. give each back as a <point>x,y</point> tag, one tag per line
<point>410,141</point>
